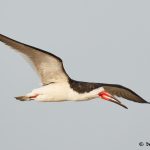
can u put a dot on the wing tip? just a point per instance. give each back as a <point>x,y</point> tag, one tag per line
<point>144,101</point>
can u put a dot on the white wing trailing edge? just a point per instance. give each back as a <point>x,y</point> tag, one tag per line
<point>48,66</point>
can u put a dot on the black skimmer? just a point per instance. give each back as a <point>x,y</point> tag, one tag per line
<point>58,86</point>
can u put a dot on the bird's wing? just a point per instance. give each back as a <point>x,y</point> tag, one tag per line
<point>121,91</point>
<point>48,66</point>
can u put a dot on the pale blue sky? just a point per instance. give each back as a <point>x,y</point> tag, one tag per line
<point>101,41</point>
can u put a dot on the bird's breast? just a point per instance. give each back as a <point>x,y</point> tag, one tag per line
<point>63,91</point>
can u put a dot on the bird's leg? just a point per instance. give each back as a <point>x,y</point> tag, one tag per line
<point>33,96</point>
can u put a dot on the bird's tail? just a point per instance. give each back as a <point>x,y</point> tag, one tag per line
<point>23,98</point>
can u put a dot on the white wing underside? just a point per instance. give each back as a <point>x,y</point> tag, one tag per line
<point>48,66</point>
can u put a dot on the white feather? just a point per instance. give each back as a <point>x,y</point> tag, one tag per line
<point>62,92</point>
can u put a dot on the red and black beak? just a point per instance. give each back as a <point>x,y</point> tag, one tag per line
<point>106,96</point>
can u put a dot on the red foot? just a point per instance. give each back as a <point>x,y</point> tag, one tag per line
<point>104,95</point>
<point>34,96</point>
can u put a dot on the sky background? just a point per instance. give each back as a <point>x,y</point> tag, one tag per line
<point>99,41</point>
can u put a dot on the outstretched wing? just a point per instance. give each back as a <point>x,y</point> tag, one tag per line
<point>48,66</point>
<point>121,91</point>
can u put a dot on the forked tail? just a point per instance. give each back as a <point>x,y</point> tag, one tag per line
<point>23,98</point>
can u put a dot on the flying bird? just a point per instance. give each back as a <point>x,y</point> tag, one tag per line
<point>57,86</point>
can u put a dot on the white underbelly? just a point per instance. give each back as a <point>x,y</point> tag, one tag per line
<point>62,92</point>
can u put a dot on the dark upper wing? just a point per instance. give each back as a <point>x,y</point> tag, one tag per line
<point>124,92</point>
<point>49,67</point>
